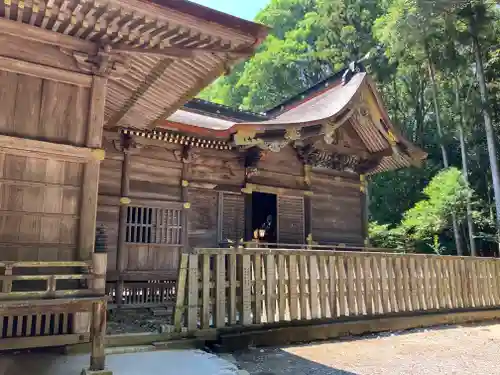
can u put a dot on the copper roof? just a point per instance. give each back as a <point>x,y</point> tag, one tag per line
<point>172,48</point>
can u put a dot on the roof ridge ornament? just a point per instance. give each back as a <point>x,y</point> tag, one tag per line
<point>354,67</point>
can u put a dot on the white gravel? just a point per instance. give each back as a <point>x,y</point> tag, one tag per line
<point>449,350</point>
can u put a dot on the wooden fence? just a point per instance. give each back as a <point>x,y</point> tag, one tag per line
<point>225,287</point>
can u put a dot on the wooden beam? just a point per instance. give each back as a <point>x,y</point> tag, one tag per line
<point>38,34</point>
<point>178,52</point>
<point>24,146</point>
<point>45,72</point>
<point>43,341</point>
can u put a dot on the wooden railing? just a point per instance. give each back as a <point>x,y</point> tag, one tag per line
<point>17,280</point>
<point>304,246</point>
<point>221,287</point>
<point>53,304</point>
<point>136,294</point>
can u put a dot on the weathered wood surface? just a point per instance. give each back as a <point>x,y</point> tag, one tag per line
<point>42,109</point>
<point>336,211</point>
<point>282,285</point>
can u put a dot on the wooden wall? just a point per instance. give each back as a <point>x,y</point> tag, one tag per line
<point>336,208</point>
<point>155,182</point>
<point>43,109</point>
<point>41,180</point>
<point>217,205</point>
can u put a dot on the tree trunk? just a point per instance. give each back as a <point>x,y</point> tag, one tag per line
<point>456,230</point>
<point>465,170</point>
<point>490,135</point>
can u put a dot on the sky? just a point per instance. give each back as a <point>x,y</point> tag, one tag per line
<point>246,9</point>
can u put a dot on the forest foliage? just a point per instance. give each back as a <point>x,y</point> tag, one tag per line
<point>423,56</point>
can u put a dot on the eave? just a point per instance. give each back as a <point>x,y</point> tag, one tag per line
<point>156,55</point>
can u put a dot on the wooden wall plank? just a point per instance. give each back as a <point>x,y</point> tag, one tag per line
<point>291,220</point>
<point>8,89</point>
<point>27,111</point>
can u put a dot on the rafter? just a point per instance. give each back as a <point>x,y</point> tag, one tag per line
<point>177,52</point>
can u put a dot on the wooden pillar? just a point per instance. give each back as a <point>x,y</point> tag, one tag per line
<point>307,204</point>
<point>98,333</point>
<point>186,159</point>
<point>307,216</point>
<point>364,201</point>
<point>122,216</point>
<point>248,215</point>
<point>90,184</point>
<point>98,326</point>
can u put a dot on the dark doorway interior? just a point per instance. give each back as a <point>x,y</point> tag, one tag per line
<point>264,215</point>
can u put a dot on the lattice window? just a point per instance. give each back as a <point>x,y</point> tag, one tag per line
<point>154,225</point>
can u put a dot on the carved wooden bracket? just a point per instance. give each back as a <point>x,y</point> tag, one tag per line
<point>186,155</point>
<point>125,143</point>
<point>250,158</point>
<point>105,63</point>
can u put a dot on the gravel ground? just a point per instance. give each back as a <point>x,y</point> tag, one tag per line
<point>137,321</point>
<point>445,350</point>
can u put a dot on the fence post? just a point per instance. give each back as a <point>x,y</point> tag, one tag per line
<point>246,285</point>
<point>180,291</point>
<point>7,284</point>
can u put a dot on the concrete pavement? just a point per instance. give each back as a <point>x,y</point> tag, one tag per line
<point>172,362</point>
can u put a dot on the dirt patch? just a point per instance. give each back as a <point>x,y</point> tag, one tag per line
<point>138,321</point>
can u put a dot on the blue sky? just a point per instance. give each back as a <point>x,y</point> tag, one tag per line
<point>246,9</point>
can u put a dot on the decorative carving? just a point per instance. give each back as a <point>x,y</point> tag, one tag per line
<point>292,134</point>
<point>125,143</point>
<point>331,133</point>
<point>336,161</point>
<point>105,63</point>
<point>354,67</point>
<point>250,159</point>
<point>275,146</point>
<point>185,156</point>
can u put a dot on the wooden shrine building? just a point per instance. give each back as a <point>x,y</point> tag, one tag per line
<point>210,176</point>
<point>70,70</point>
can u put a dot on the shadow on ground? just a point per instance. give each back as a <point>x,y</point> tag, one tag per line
<point>275,361</point>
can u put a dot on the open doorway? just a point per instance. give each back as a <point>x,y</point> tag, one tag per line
<point>264,216</point>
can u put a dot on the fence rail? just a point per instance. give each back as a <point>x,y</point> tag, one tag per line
<point>221,287</point>
<point>24,280</point>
